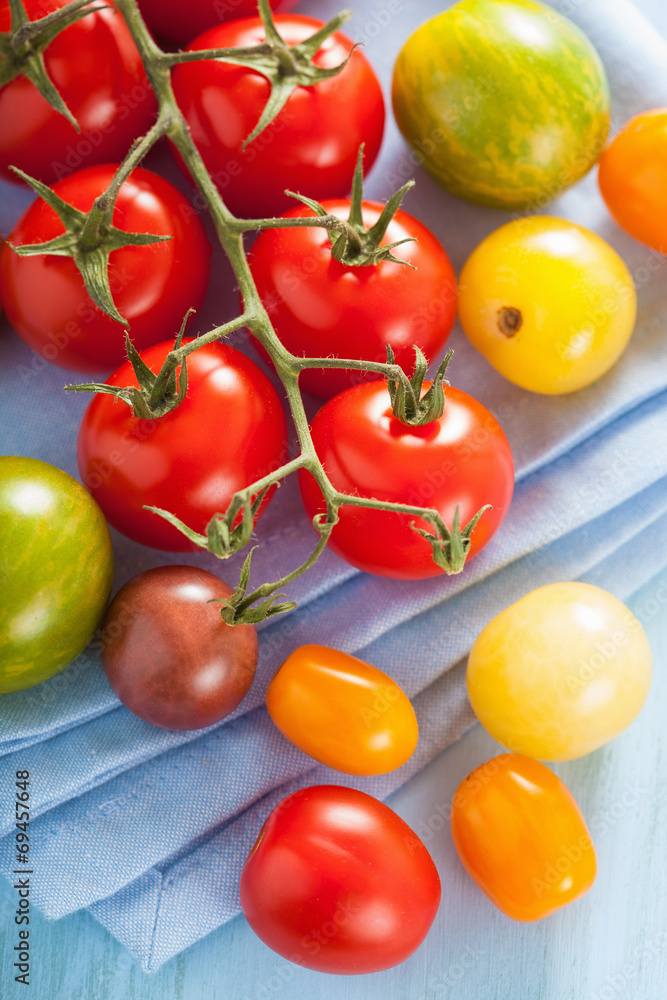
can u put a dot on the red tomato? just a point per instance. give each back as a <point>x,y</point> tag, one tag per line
<point>181,22</point>
<point>311,146</point>
<point>152,286</point>
<point>97,69</point>
<point>463,459</point>
<point>229,431</point>
<point>337,882</point>
<point>354,312</point>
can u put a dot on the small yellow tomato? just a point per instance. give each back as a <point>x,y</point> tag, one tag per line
<point>521,837</point>
<point>342,711</point>
<point>548,303</point>
<point>560,672</point>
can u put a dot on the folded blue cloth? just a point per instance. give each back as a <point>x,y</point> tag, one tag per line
<point>150,828</point>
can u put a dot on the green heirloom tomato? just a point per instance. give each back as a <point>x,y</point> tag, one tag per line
<point>56,566</point>
<point>506,101</point>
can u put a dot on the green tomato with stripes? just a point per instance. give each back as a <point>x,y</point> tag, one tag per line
<point>504,102</point>
<point>56,568</point>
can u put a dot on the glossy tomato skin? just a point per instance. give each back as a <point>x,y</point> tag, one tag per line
<point>181,22</point>
<point>560,672</point>
<point>152,286</point>
<point>337,882</point>
<point>343,712</point>
<point>97,70</point>
<point>312,145</point>
<point>573,295</point>
<point>505,102</point>
<point>167,653</point>
<point>461,459</point>
<point>633,178</point>
<point>228,432</point>
<point>521,837</point>
<point>321,308</point>
<point>56,566</point>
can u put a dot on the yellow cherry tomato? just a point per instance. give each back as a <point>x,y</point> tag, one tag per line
<point>548,303</point>
<point>342,711</point>
<point>560,672</point>
<point>521,837</point>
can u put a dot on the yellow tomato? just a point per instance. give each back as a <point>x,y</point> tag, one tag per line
<point>342,711</point>
<point>520,835</point>
<point>561,672</point>
<point>548,303</point>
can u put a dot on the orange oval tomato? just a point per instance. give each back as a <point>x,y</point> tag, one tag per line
<point>633,178</point>
<point>342,711</point>
<point>521,837</point>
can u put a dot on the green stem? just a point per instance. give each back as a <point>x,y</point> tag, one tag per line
<point>29,29</point>
<point>100,215</point>
<point>266,589</point>
<point>230,232</point>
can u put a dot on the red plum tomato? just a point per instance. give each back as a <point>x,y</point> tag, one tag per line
<point>167,653</point>
<point>310,147</point>
<point>152,286</point>
<point>461,459</point>
<point>321,308</point>
<point>96,68</point>
<point>228,432</point>
<point>337,882</point>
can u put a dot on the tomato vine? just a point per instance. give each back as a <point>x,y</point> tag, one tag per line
<point>90,238</point>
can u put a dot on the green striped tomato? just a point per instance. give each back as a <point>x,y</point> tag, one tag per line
<point>56,566</point>
<point>505,102</point>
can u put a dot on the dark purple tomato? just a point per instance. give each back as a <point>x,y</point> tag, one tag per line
<point>167,653</point>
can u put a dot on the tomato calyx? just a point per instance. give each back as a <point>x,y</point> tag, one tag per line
<point>408,404</point>
<point>354,245</point>
<point>286,67</point>
<point>157,393</point>
<point>225,533</point>
<point>88,239</point>
<point>235,610</point>
<point>22,48</point>
<point>450,546</point>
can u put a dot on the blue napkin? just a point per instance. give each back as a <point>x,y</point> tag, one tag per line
<point>149,829</point>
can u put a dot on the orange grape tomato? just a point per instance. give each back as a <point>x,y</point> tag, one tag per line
<point>342,711</point>
<point>521,837</point>
<point>633,178</point>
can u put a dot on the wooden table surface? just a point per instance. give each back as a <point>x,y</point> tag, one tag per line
<point>612,945</point>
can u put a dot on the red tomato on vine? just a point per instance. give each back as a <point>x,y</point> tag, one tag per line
<point>152,286</point>
<point>311,146</point>
<point>229,431</point>
<point>181,22</point>
<point>97,70</point>
<point>462,459</point>
<point>320,307</point>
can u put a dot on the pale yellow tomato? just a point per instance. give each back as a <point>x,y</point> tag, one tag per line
<point>560,672</point>
<point>548,303</point>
